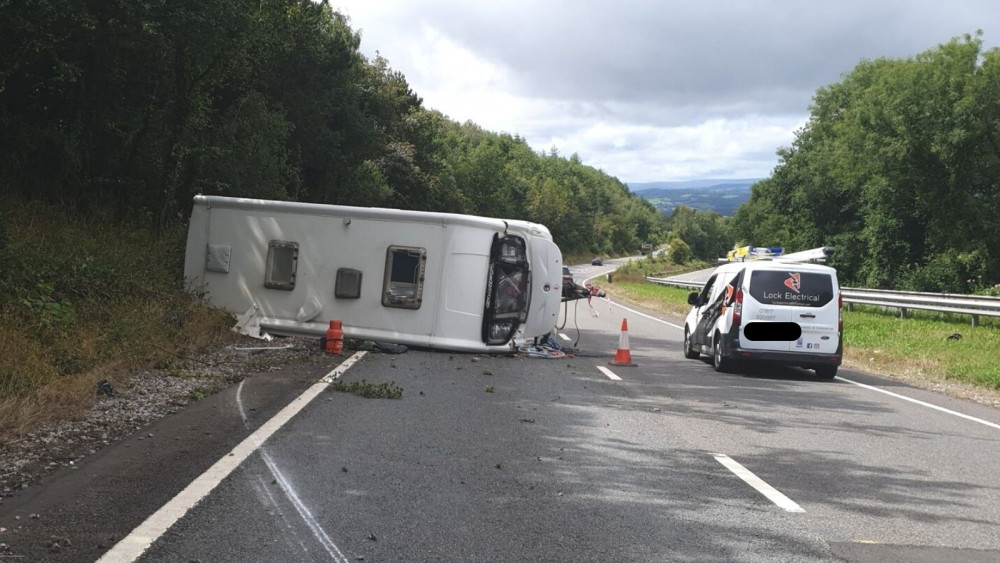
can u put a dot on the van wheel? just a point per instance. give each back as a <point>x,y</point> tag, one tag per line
<point>689,351</point>
<point>720,362</point>
<point>826,372</point>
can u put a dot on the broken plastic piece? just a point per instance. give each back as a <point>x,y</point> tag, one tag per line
<point>249,324</point>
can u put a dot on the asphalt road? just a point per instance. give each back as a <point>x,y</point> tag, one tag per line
<point>527,459</point>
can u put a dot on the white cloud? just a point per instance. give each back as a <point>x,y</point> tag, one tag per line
<point>647,91</point>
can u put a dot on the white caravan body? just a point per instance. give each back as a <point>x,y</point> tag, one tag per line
<point>435,280</point>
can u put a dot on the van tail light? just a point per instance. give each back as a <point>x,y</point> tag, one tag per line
<point>738,307</point>
<point>840,313</point>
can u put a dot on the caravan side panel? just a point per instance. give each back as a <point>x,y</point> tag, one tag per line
<point>229,241</point>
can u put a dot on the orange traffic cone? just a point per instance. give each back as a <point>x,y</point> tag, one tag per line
<point>623,357</point>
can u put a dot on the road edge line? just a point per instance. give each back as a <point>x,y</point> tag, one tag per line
<point>132,546</point>
<point>921,403</point>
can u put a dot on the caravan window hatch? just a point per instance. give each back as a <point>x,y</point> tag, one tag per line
<point>404,277</point>
<point>282,262</point>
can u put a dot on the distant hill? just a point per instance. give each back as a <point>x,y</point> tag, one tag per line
<point>721,196</point>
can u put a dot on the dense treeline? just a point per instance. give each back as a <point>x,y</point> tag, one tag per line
<point>133,107</point>
<point>898,167</point>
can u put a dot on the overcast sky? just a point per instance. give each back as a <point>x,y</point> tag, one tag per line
<point>649,90</point>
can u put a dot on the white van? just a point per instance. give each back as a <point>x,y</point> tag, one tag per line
<point>785,312</point>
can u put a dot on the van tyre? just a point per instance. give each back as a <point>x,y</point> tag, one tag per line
<point>689,350</point>
<point>721,363</point>
<point>826,372</point>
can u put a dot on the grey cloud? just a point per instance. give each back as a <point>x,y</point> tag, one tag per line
<point>708,57</point>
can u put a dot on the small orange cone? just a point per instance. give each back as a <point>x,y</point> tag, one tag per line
<point>623,357</point>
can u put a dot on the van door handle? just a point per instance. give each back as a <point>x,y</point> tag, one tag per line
<point>808,316</point>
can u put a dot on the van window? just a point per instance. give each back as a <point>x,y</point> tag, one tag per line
<point>403,285</point>
<point>788,287</point>
<point>707,290</point>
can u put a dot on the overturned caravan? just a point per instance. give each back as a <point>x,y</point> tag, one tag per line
<point>435,280</point>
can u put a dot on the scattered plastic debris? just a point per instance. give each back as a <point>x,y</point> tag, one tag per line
<point>543,352</point>
<point>249,324</point>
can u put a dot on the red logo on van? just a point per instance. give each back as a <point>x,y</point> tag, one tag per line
<point>794,282</point>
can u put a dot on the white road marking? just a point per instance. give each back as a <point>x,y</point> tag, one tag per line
<point>239,401</point>
<point>300,507</point>
<point>611,375</point>
<point>647,316</point>
<point>138,541</point>
<point>564,337</point>
<point>636,312</point>
<point>922,403</point>
<point>286,487</point>
<point>772,494</point>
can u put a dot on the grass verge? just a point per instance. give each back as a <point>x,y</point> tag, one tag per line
<point>82,299</point>
<point>878,341</point>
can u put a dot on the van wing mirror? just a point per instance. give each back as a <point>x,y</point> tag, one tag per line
<point>693,299</point>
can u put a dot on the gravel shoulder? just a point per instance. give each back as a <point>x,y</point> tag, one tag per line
<point>71,490</point>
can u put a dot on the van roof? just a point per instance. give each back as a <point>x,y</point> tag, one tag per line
<point>776,265</point>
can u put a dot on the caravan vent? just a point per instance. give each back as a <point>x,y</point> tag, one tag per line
<point>348,284</point>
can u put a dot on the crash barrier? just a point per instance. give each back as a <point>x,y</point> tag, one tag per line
<point>973,305</point>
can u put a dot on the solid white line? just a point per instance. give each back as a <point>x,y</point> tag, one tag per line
<point>935,407</point>
<point>647,316</point>
<point>138,541</point>
<point>564,337</point>
<point>772,494</point>
<point>633,310</point>
<point>611,375</point>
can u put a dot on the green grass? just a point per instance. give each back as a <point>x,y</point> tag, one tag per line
<point>83,298</point>
<point>879,341</point>
<point>919,346</point>
<point>384,390</point>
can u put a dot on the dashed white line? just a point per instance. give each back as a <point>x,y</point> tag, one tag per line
<point>138,541</point>
<point>922,403</point>
<point>772,494</point>
<point>611,375</point>
<point>564,337</point>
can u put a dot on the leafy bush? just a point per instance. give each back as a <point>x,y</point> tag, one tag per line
<point>679,252</point>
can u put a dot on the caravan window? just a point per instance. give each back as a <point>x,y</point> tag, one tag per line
<point>404,277</point>
<point>282,261</point>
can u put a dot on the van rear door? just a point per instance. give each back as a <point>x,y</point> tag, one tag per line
<point>800,296</point>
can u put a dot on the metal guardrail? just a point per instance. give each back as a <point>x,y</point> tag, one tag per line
<point>973,305</point>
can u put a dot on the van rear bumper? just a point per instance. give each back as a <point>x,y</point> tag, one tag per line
<point>790,358</point>
<point>734,352</point>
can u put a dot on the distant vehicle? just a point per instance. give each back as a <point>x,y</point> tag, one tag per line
<point>567,276</point>
<point>435,280</point>
<point>768,310</point>
<point>646,249</point>
<point>597,262</point>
